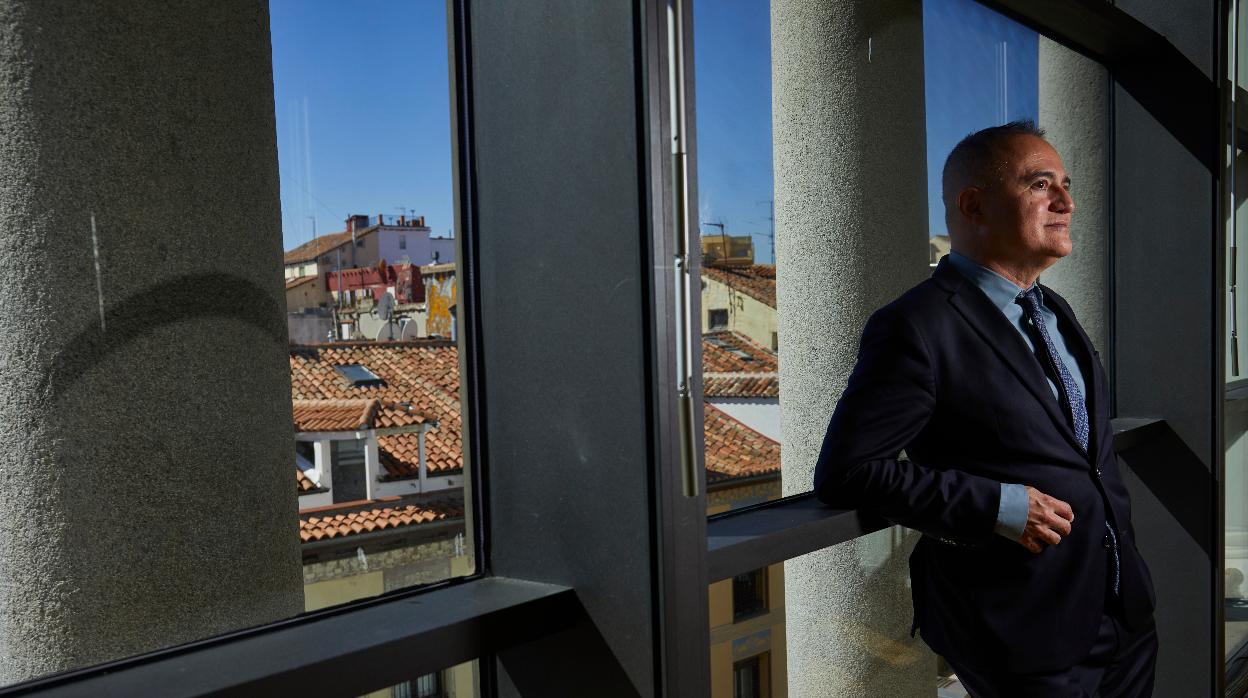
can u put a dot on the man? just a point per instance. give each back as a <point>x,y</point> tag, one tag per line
<point>1028,580</point>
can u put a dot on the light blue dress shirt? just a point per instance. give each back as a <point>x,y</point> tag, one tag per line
<point>1012,511</point>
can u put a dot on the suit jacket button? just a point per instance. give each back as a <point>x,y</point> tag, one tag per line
<point>1106,542</point>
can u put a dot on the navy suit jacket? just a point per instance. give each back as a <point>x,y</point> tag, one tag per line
<point>942,374</point>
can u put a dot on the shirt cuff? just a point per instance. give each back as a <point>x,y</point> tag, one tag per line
<point>1012,511</point>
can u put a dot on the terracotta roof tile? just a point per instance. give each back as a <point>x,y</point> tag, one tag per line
<point>728,351</point>
<point>742,385</point>
<point>334,415</point>
<point>757,281</point>
<point>420,382</point>
<point>351,518</point>
<point>424,374</point>
<point>299,281</point>
<point>305,484</point>
<point>734,450</point>
<point>316,247</point>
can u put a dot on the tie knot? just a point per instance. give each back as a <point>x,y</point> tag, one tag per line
<point>1029,298</point>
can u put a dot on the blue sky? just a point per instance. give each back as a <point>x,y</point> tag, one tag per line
<point>363,111</point>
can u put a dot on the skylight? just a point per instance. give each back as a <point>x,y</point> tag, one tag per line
<point>359,376</point>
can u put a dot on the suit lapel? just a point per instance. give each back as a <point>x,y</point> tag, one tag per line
<point>1091,379</point>
<point>986,319</point>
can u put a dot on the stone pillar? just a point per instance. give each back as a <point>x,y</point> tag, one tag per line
<point>851,235</point>
<point>145,430</point>
<point>1074,109</point>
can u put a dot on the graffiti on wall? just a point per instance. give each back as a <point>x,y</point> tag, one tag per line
<point>440,295</point>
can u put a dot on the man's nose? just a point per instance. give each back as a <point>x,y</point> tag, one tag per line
<point>1062,202</point>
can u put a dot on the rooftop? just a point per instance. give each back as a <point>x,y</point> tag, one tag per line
<point>735,366</point>
<point>299,280</point>
<point>310,250</point>
<point>419,383</point>
<point>734,450</point>
<point>758,281</point>
<point>351,518</point>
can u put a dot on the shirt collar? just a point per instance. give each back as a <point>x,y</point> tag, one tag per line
<point>1000,290</point>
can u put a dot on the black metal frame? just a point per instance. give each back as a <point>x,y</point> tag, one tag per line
<point>400,635</point>
<point>346,651</point>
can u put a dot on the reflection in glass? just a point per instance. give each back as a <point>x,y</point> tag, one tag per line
<point>460,681</point>
<point>980,69</point>
<point>371,293</point>
<point>1235,409</point>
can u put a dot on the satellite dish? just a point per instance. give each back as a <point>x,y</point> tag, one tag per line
<point>385,307</point>
<point>389,332</point>
<point>411,330</point>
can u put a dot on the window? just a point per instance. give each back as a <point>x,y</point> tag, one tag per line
<point>718,318</point>
<point>747,678</point>
<point>749,594</point>
<point>359,376</point>
<point>429,686</point>
<point>402,242</point>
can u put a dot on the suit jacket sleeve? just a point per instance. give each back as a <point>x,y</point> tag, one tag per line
<point>890,397</point>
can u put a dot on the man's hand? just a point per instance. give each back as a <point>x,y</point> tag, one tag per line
<point>1048,521</point>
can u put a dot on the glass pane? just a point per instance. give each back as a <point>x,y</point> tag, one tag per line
<point>216,437</point>
<point>459,681</point>
<point>740,340</point>
<point>821,144</point>
<point>371,297</point>
<point>1235,414</point>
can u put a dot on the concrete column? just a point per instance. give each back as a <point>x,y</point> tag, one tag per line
<point>145,430</point>
<point>851,235</point>
<point>1074,109</point>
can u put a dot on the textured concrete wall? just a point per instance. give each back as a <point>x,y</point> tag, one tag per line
<point>1074,109</point>
<point>145,432</point>
<point>851,235</point>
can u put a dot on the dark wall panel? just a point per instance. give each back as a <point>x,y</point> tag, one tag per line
<point>1166,341</point>
<point>560,215</point>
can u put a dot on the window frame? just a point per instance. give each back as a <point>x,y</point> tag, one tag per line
<point>487,614</point>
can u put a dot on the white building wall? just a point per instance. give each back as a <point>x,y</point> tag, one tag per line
<point>760,414</point>
<point>419,246</point>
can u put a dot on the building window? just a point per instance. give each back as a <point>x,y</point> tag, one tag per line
<point>775,341</point>
<point>747,677</point>
<point>749,594</point>
<point>358,376</point>
<point>428,686</point>
<point>718,319</point>
<point>402,242</point>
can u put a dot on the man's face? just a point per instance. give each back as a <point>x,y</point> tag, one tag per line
<point>1026,210</point>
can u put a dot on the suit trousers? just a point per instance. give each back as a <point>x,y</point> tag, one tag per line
<point>1120,664</point>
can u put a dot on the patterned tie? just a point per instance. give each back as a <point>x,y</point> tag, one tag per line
<point>1072,398</point>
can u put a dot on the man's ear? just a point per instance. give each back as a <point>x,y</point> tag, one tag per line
<point>970,206</point>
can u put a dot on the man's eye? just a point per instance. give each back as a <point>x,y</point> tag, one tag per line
<point>1041,184</point>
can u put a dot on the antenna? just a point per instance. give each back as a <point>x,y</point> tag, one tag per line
<point>771,218</point>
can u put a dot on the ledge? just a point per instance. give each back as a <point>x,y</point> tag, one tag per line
<point>746,539</point>
<point>398,638</point>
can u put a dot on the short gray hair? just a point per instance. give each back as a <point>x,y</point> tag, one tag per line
<point>973,159</point>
